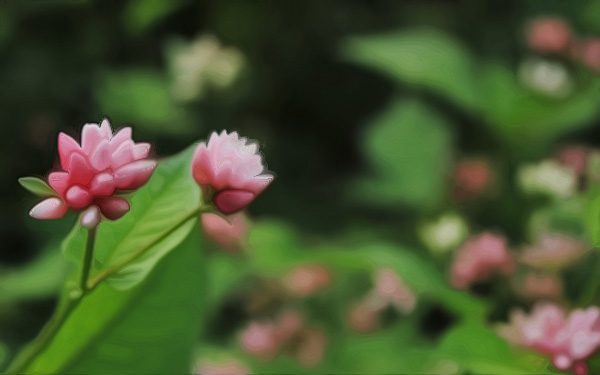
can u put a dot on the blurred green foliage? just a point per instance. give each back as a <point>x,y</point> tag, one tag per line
<point>363,109</point>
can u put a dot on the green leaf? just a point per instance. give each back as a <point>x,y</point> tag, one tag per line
<point>37,186</point>
<point>408,147</point>
<point>592,215</point>
<point>42,278</point>
<point>169,197</point>
<point>147,329</point>
<point>423,57</point>
<point>140,15</point>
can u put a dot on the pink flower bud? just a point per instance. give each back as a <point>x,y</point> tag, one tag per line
<point>479,257</point>
<point>548,35</point>
<point>260,340</point>
<point>472,178</point>
<point>227,367</point>
<point>307,280</point>
<point>230,236</point>
<point>392,289</point>
<point>588,52</point>
<point>553,251</point>
<point>94,171</point>
<point>233,170</point>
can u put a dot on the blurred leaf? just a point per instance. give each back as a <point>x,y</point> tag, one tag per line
<point>41,278</point>
<point>37,186</point>
<point>408,147</point>
<point>592,215</point>
<point>169,196</point>
<point>582,279</point>
<point>142,97</point>
<point>148,329</point>
<point>140,15</point>
<point>424,57</point>
<point>523,117</point>
<point>479,350</point>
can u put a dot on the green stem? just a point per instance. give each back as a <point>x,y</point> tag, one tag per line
<point>72,301</point>
<point>93,283</point>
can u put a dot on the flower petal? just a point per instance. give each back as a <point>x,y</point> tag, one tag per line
<point>134,175</point>
<point>141,151</point>
<point>101,158</point>
<point>91,217</point>
<point>90,138</point>
<point>123,154</point>
<point>66,146</point>
<point>230,201</point>
<point>78,197</point>
<point>103,185</point>
<point>80,172</point>
<point>113,208</point>
<point>106,130</point>
<point>51,208</point>
<point>59,181</point>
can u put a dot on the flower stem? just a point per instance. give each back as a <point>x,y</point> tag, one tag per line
<point>23,361</point>
<point>110,271</point>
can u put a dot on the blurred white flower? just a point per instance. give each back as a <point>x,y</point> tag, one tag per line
<point>546,77</point>
<point>548,177</point>
<point>445,233</point>
<point>200,63</point>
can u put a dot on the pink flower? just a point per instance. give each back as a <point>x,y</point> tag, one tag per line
<point>536,286</point>
<point>568,340</point>
<point>311,347</point>
<point>231,169</point>
<point>588,52</point>
<point>230,236</point>
<point>549,35</point>
<point>553,251</point>
<point>227,367</point>
<point>392,290</point>
<point>472,178</point>
<point>260,340</point>
<point>479,257</point>
<point>94,171</point>
<point>574,157</point>
<point>304,281</point>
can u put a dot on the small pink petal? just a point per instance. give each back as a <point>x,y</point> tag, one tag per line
<point>51,208</point>
<point>123,154</point>
<point>134,175</point>
<point>581,368</point>
<point>230,201</point>
<point>91,136</point>
<point>103,185</point>
<point>113,208</point>
<point>59,181</point>
<point>66,146</point>
<point>101,158</point>
<point>141,150</point>
<point>120,137</point>
<point>106,130</point>
<point>80,172</point>
<point>78,197</point>
<point>91,217</point>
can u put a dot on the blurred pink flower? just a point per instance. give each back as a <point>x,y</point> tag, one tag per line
<point>228,367</point>
<point>574,157</point>
<point>306,280</point>
<point>588,52</point>
<point>230,236</point>
<point>548,35</point>
<point>540,286</point>
<point>311,347</point>
<point>479,257</point>
<point>392,290</point>
<point>94,171</point>
<point>472,178</point>
<point>363,317</point>
<point>231,169</point>
<point>567,340</point>
<point>260,339</point>
<point>553,251</point>
<point>289,324</point>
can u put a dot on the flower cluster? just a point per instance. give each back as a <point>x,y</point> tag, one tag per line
<point>94,171</point>
<point>568,339</point>
<point>106,163</point>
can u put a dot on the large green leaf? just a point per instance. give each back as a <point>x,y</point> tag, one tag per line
<point>408,147</point>
<point>167,199</point>
<point>148,329</point>
<point>423,57</point>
